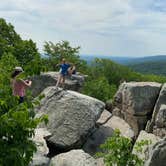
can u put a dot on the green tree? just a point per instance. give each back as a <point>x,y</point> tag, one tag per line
<point>25,51</point>
<point>8,37</point>
<point>61,50</point>
<point>10,42</point>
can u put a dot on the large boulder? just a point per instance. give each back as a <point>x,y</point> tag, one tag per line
<point>72,117</point>
<point>159,127</point>
<point>139,98</point>
<point>118,101</point>
<point>39,157</point>
<point>157,124</point>
<point>73,158</point>
<point>134,102</point>
<point>157,154</point>
<point>107,124</point>
<point>117,123</point>
<point>143,135</point>
<point>99,136</point>
<point>44,80</point>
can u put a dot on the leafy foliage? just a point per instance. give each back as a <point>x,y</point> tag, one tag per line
<point>117,150</point>
<point>24,51</point>
<point>111,75</point>
<point>61,50</point>
<point>17,122</point>
<point>100,89</point>
<point>158,67</point>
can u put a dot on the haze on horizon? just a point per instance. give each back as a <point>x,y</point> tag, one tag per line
<point>113,27</point>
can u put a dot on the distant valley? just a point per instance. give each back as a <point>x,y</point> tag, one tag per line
<point>146,65</point>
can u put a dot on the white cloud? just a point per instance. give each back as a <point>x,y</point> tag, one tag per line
<point>115,27</point>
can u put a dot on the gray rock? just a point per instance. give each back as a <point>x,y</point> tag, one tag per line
<point>140,97</point>
<point>99,135</point>
<point>137,123</point>
<point>118,123</point>
<point>39,158</point>
<point>40,82</point>
<point>134,102</point>
<point>161,132</point>
<point>161,117</point>
<point>157,154</point>
<point>72,116</point>
<point>118,101</point>
<point>104,117</point>
<point>105,131</point>
<point>73,158</point>
<point>160,101</point>
<point>93,143</point>
<point>143,135</point>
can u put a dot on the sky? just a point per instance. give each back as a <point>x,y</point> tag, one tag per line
<point>109,27</point>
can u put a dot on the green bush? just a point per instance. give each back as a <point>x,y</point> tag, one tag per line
<point>117,150</point>
<point>99,88</point>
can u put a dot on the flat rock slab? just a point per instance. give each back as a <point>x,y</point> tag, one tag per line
<point>44,80</point>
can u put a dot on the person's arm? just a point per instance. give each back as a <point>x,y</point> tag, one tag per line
<point>58,65</point>
<point>26,83</point>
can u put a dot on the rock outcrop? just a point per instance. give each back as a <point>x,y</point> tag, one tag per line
<point>40,82</point>
<point>157,124</point>
<point>39,157</point>
<point>106,125</point>
<point>117,123</point>
<point>151,138</point>
<point>79,121</point>
<point>135,101</point>
<point>72,117</point>
<point>157,154</point>
<point>73,158</point>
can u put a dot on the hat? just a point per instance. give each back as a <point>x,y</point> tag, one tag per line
<point>18,68</point>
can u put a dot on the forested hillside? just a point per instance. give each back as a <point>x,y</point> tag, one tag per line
<point>105,76</point>
<point>158,67</point>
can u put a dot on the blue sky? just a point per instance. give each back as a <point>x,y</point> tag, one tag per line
<point>109,27</point>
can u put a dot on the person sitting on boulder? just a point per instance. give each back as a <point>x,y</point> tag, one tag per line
<point>64,66</point>
<point>72,70</point>
<point>19,85</point>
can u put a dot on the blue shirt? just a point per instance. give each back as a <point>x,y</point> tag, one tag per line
<point>64,67</point>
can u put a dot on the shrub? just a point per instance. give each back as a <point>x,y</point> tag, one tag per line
<point>117,150</point>
<point>99,88</point>
<point>17,122</point>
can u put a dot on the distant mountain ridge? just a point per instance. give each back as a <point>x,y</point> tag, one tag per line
<point>146,65</point>
<point>125,60</point>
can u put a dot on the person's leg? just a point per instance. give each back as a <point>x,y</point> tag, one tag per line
<point>63,81</point>
<point>59,80</point>
<point>69,71</point>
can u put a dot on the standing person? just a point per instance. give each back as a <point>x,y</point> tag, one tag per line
<point>19,85</point>
<point>64,66</point>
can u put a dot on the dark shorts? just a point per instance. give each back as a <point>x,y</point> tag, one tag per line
<point>63,74</point>
<point>21,99</point>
